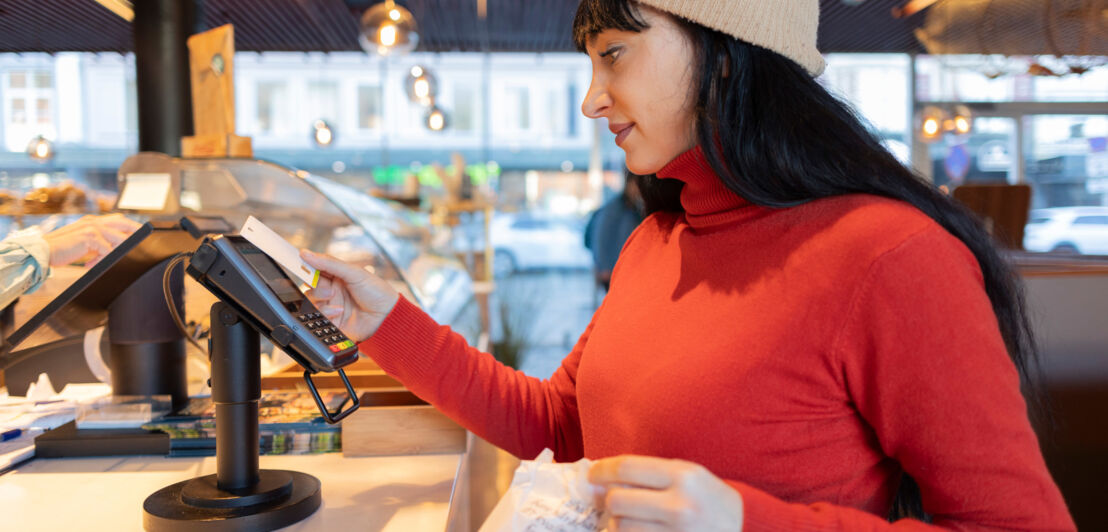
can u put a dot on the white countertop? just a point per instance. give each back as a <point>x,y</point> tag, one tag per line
<point>401,493</point>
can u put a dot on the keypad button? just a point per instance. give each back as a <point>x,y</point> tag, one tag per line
<point>303,317</point>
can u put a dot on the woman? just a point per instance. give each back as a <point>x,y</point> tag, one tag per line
<point>799,329</point>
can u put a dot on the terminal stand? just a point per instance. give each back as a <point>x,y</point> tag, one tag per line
<point>239,496</point>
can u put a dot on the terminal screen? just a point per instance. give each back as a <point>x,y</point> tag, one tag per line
<point>272,275</point>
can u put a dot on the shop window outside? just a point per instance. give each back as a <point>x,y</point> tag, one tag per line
<point>519,108</point>
<point>369,107</point>
<point>323,102</point>
<point>463,116</point>
<point>876,86</point>
<point>29,102</point>
<point>272,104</point>
<point>986,78</point>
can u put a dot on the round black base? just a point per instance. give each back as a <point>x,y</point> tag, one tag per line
<point>273,504</point>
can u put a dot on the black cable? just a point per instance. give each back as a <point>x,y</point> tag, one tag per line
<point>173,262</point>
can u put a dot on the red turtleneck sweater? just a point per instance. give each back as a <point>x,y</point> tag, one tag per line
<point>808,356</point>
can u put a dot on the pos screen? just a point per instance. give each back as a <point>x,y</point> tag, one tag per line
<point>271,273</point>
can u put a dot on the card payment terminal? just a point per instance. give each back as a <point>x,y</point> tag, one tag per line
<point>253,284</point>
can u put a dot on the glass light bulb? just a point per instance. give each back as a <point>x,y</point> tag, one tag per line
<point>388,29</point>
<point>421,86</point>
<point>436,119</point>
<point>930,127</point>
<point>40,148</point>
<point>322,133</point>
<point>387,35</point>
<point>961,125</point>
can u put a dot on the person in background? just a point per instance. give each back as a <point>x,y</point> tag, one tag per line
<point>776,351</point>
<point>27,255</point>
<point>610,225</point>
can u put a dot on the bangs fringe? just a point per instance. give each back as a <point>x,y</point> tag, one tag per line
<point>595,16</point>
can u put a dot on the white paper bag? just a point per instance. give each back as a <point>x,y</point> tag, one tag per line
<point>545,496</point>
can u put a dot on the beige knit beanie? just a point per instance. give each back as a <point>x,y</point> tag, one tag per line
<point>788,27</point>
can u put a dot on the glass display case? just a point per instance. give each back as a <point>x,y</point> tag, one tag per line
<point>314,213</point>
<point>309,211</point>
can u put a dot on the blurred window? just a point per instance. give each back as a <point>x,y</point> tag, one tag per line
<point>465,108</point>
<point>42,107</point>
<point>1091,220</point>
<point>517,108</point>
<point>323,101</point>
<point>369,107</point>
<point>272,107</point>
<point>988,78</point>
<point>29,105</point>
<point>44,80</point>
<point>19,111</point>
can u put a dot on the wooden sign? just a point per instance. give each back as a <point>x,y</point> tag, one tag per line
<point>211,68</point>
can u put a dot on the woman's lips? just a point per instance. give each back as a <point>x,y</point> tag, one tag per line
<point>622,132</point>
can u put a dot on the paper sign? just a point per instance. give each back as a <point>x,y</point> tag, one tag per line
<point>279,250</point>
<point>144,192</point>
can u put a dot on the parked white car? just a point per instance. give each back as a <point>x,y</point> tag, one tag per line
<point>531,241</point>
<point>1068,230</point>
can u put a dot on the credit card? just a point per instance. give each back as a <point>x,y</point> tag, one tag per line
<point>279,250</point>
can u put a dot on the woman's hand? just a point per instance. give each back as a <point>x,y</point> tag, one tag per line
<point>352,298</point>
<point>647,493</point>
<point>89,239</point>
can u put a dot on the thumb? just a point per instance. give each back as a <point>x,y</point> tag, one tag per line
<point>336,268</point>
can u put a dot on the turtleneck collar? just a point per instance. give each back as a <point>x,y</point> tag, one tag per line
<point>707,201</point>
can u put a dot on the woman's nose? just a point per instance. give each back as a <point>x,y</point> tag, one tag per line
<point>597,101</point>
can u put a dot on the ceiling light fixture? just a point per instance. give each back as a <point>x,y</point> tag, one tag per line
<point>421,86</point>
<point>388,29</point>
<point>322,133</point>
<point>40,149</point>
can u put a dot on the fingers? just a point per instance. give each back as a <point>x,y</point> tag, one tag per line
<point>112,235</point>
<point>640,471</point>
<point>327,264</point>
<point>325,288</point>
<point>640,505</point>
<point>119,222</point>
<point>82,245</point>
<point>634,525</point>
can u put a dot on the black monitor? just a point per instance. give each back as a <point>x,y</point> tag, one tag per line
<point>103,289</point>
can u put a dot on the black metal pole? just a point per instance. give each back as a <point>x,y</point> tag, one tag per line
<point>161,29</point>
<point>147,354</point>
<point>236,390</point>
<point>238,496</point>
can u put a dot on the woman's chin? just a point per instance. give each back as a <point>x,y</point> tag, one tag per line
<point>642,167</point>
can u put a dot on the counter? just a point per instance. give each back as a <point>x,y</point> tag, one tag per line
<point>401,493</point>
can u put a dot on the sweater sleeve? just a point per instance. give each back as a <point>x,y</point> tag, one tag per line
<point>24,264</point>
<point>520,414</point>
<point>925,364</point>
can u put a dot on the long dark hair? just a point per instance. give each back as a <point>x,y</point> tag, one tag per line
<point>761,114</point>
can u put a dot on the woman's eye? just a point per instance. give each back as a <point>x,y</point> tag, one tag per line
<point>611,54</point>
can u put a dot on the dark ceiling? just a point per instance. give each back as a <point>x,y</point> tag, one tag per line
<point>445,25</point>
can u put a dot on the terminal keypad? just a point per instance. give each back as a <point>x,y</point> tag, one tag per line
<point>326,331</point>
